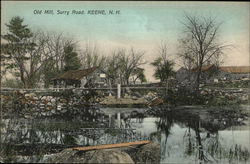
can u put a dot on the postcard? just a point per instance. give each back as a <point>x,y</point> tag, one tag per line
<point>125,82</point>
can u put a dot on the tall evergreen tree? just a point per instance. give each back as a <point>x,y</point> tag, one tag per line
<point>72,62</point>
<point>15,46</point>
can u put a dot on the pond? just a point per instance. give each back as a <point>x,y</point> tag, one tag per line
<point>190,142</point>
<point>184,138</point>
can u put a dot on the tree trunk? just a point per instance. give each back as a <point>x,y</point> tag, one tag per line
<point>198,79</point>
<point>22,77</point>
<point>198,138</point>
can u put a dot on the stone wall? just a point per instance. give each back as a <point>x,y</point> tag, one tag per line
<point>35,105</point>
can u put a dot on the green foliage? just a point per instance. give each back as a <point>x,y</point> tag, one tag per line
<point>184,96</point>
<point>69,140</point>
<point>72,62</point>
<point>163,69</point>
<point>63,126</point>
<point>16,47</point>
<point>9,154</point>
<point>50,71</point>
<point>113,132</point>
<point>17,42</point>
<point>139,74</point>
<point>156,135</point>
<point>222,101</point>
<point>12,83</point>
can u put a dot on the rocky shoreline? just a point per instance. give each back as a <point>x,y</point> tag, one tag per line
<point>32,105</point>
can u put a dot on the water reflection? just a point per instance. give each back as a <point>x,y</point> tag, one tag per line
<point>188,139</point>
<point>184,137</point>
<point>40,136</point>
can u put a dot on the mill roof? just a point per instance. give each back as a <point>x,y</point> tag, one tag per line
<point>75,74</point>
<point>235,69</point>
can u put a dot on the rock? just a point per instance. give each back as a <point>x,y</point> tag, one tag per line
<point>61,157</point>
<point>240,119</point>
<point>244,98</point>
<point>35,98</point>
<point>63,111</point>
<point>109,156</point>
<point>149,153</point>
<point>30,95</point>
<point>134,98</point>
<point>63,100</point>
<point>27,116</point>
<point>43,114</point>
<point>49,97</point>
<point>203,92</point>
<point>94,156</point>
<point>36,114</point>
<point>21,91</point>
<point>137,94</point>
<point>53,100</point>
<point>59,107</point>
<point>49,114</point>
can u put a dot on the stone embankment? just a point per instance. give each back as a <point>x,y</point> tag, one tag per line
<point>35,105</point>
<point>222,96</point>
<point>32,105</point>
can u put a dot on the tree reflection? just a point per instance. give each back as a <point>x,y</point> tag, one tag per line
<point>164,125</point>
<point>201,139</point>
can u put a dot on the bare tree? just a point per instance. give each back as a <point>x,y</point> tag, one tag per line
<point>122,64</point>
<point>201,42</point>
<point>91,57</point>
<point>129,61</point>
<point>48,57</point>
<point>112,67</point>
<point>187,60</point>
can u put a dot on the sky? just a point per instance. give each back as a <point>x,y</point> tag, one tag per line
<point>142,25</point>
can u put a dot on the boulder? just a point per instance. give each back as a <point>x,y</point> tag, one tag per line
<point>149,153</point>
<point>108,156</point>
<point>94,156</point>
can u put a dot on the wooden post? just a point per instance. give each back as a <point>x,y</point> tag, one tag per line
<point>110,120</point>
<point>119,120</point>
<point>118,91</point>
<point>110,86</point>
